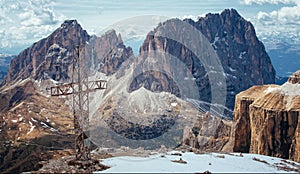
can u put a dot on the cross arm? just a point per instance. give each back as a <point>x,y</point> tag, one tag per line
<point>72,88</point>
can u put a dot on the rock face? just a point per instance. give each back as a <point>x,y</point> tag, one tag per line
<point>266,120</point>
<point>50,58</point>
<point>209,133</point>
<point>242,55</point>
<point>34,126</point>
<point>108,53</point>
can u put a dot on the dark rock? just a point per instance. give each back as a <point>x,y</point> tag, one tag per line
<point>243,56</point>
<point>209,133</point>
<point>51,58</point>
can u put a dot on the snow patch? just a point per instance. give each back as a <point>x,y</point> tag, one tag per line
<point>213,162</point>
<point>174,104</point>
<point>270,89</point>
<point>53,130</point>
<point>290,89</point>
<point>34,120</point>
<point>242,54</point>
<point>44,125</point>
<point>232,70</point>
<point>31,129</point>
<point>14,121</point>
<point>216,39</point>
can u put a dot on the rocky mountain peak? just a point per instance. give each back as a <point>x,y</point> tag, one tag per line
<point>231,13</point>
<point>28,113</point>
<point>50,58</point>
<point>70,23</point>
<point>295,78</point>
<point>109,52</point>
<point>242,55</point>
<point>112,34</point>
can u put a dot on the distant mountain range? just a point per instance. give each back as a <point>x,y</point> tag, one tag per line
<point>4,64</point>
<point>284,50</point>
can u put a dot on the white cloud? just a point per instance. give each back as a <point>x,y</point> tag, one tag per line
<point>24,22</point>
<point>283,16</point>
<point>260,2</point>
<point>38,13</point>
<point>281,25</point>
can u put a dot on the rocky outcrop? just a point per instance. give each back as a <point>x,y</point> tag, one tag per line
<point>242,55</point>
<point>209,133</point>
<point>108,53</point>
<point>295,78</point>
<point>33,128</point>
<point>51,58</point>
<point>266,120</point>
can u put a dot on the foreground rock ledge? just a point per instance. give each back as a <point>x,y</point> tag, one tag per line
<point>266,120</point>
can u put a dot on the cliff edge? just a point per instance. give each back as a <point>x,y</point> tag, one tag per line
<point>266,120</point>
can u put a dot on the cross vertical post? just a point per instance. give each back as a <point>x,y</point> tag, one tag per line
<point>80,105</point>
<point>80,87</point>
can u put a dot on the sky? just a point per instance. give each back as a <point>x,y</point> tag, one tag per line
<point>24,22</point>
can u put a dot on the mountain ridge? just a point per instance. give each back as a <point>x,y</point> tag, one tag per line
<point>242,55</point>
<point>153,93</point>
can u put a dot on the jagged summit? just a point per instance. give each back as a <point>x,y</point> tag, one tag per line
<point>28,113</point>
<point>70,22</point>
<point>231,12</point>
<point>226,13</point>
<point>243,57</point>
<point>50,58</point>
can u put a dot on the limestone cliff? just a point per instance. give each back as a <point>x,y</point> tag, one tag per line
<point>266,120</point>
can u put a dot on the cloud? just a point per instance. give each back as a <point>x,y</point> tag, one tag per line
<point>289,15</point>
<point>281,25</point>
<point>24,22</point>
<point>260,2</point>
<point>38,13</point>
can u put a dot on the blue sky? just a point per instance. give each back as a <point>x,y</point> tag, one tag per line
<point>24,22</point>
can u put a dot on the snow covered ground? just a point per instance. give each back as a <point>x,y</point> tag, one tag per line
<point>212,162</point>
